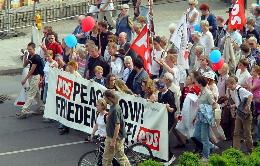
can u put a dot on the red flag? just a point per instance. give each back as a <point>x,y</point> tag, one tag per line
<point>237,18</point>
<point>141,47</point>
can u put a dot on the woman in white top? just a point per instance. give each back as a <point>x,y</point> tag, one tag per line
<point>157,54</point>
<point>105,10</point>
<point>206,39</point>
<point>242,73</point>
<point>100,125</point>
<point>192,15</point>
<point>116,62</point>
<point>49,63</point>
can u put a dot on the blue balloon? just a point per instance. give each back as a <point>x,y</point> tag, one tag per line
<point>70,41</point>
<point>197,28</point>
<point>215,56</point>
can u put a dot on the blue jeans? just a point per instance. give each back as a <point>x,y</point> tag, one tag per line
<point>201,133</point>
<point>45,93</point>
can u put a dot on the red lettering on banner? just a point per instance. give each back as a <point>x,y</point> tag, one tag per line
<point>151,138</point>
<point>64,87</point>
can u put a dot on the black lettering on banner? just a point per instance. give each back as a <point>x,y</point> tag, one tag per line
<point>134,109</point>
<point>76,90</point>
<point>92,97</point>
<point>124,108</point>
<point>58,105</point>
<point>83,94</point>
<point>93,117</point>
<point>79,113</point>
<point>99,94</point>
<point>63,109</point>
<point>70,111</point>
<point>142,114</point>
<point>86,116</point>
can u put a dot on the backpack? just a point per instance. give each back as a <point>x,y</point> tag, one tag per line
<point>240,109</point>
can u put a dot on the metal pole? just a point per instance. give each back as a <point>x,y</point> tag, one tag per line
<point>8,15</point>
<point>33,18</point>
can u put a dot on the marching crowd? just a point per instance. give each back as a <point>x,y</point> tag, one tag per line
<point>225,100</point>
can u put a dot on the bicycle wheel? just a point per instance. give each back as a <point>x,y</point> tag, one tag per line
<point>138,153</point>
<point>89,159</point>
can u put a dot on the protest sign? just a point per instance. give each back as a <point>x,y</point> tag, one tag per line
<point>72,102</point>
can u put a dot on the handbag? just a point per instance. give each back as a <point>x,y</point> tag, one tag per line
<point>241,107</point>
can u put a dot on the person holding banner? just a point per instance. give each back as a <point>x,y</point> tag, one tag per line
<point>206,38</point>
<point>116,133</point>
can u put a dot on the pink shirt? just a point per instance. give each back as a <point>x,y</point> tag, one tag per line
<point>256,83</point>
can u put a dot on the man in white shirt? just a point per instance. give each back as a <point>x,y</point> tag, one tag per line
<point>239,94</point>
<point>242,73</point>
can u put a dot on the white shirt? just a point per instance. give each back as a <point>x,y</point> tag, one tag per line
<point>190,13</point>
<point>155,67</point>
<point>176,75</point>
<point>101,125</point>
<point>243,93</point>
<point>242,77</point>
<point>117,67</point>
<point>207,41</point>
<point>110,5</point>
<point>46,70</point>
<point>126,74</point>
<point>214,89</point>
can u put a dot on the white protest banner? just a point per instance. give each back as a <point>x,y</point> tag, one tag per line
<point>180,40</point>
<point>72,102</point>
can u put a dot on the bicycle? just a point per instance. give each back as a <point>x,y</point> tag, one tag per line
<point>94,157</point>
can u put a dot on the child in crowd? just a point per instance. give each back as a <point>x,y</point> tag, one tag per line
<point>72,68</point>
<point>81,60</point>
<point>99,75</point>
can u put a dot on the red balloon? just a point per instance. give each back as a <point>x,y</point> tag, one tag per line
<point>88,24</point>
<point>217,66</point>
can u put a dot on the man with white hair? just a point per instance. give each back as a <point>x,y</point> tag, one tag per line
<point>252,42</point>
<point>79,34</point>
<point>168,80</point>
<point>124,46</point>
<point>195,37</point>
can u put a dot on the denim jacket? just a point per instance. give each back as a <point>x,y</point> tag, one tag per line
<point>205,114</point>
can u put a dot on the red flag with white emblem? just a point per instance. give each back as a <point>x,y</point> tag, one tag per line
<point>237,18</point>
<point>141,47</point>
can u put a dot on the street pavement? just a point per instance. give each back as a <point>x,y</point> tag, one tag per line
<point>165,13</point>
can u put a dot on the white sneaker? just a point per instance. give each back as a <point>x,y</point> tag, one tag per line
<point>170,161</point>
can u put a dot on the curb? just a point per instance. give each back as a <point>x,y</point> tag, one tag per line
<point>11,71</point>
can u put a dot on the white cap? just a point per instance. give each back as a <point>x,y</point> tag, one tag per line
<point>125,6</point>
<point>209,74</point>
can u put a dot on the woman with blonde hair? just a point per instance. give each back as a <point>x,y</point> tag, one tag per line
<point>207,37</point>
<point>149,90</point>
<point>121,87</point>
<point>192,15</point>
<point>50,63</point>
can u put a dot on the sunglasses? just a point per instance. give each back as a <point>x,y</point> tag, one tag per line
<point>191,4</point>
<point>51,38</point>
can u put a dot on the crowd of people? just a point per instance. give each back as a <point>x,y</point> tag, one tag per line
<point>225,103</point>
